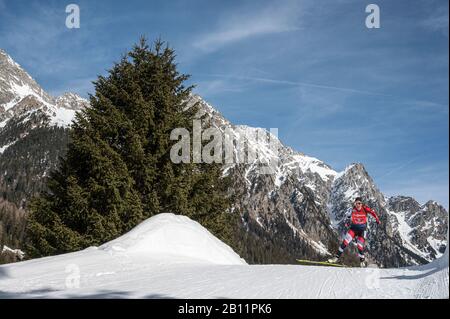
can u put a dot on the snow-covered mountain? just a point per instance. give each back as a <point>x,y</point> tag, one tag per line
<point>307,199</point>
<point>420,226</point>
<point>32,129</point>
<point>171,256</point>
<point>22,99</point>
<point>396,240</point>
<point>296,211</point>
<point>33,135</point>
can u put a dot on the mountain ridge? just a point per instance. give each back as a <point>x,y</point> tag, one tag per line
<point>303,184</point>
<point>21,95</point>
<point>297,210</point>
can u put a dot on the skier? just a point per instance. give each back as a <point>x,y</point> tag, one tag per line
<point>357,221</point>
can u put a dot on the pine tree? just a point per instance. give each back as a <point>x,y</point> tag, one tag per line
<point>117,171</point>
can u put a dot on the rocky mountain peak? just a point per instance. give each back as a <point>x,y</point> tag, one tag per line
<point>71,101</point>
<point>354,182</point>
<point>403,204</point>
<point>428,214</point>
<point>25,106</point>
<point>205,109</point>
<point>22,98</point>
<point>5,59</point>
<point>16,84</point>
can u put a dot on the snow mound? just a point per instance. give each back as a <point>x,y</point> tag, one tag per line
<point>176,235</point>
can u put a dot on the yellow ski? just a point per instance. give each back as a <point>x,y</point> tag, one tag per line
<point>318,263</point>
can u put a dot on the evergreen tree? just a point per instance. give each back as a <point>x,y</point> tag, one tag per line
<point>117,170</point>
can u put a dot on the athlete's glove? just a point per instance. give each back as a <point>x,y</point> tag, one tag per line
<point>378,222</point>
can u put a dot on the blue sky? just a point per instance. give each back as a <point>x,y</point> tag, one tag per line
<point>335,89</point>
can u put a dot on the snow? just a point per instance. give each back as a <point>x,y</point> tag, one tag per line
<point>280,177</point>
<point>59,115</point>
<point>17,252</point>
<point>19,84</point>
<point>11,103</point>
<point>436,244</point>
<point>304,164</point>
<point>314,165</point>
<point>344,172</point>
<point>317,246</point>
<point>226,171</point>
<point>4,147</point>
<point>9,59</point>
<point>350,193</point>
<point>259,222</point>
<point>63,117</point>
<point>320,247</point>
<point>22,90</point>
<point>405,230</point>
<point>170,256</point>
<point>175,235</point>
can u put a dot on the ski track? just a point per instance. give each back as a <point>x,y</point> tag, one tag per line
<point>152,278</point>
<point>152,262</point>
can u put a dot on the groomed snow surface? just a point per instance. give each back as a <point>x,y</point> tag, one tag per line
<point>171,256</point>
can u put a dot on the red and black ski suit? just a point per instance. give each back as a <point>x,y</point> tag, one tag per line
<point>357,229</point>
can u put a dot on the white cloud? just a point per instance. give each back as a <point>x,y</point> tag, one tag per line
<point>294,83</point>
<point>206,88</point>
<point>238,26</point>
<point>437,23</point>
<point>438,20</point>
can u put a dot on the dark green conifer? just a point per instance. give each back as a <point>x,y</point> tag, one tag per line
<point>118,171</point>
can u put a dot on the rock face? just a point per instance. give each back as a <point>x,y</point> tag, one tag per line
<point>71,101</point>
<point>423,228</point>
<point>21,97</point>
<point>303,203</point>
<point>15,85</point>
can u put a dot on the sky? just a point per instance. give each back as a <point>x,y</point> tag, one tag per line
<point>335,89</point>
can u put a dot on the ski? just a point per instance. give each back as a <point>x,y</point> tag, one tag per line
<point>318,263</point>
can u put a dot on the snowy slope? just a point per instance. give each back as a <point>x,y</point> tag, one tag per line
<point>172,256</point>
